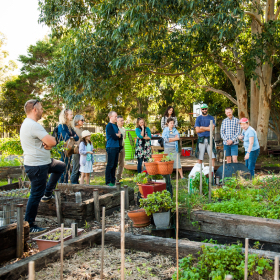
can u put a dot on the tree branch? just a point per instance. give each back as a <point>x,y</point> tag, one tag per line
<point>209,88</point>
<point>275,84</point>
<point>277,13</point>
<point>165,74</point>
<point>255,17</point>
<point>229,74</point>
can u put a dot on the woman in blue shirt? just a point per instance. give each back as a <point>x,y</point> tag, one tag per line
<point>251,145</point>
<point>65,131</point>
<point>171,137</point>
<point>143,150</point>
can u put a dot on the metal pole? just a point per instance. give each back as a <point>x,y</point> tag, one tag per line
<point>118,185</point>
<point>210,160</point>
<point>224,162</point>
<point>276,268</point>
<point>122,235</point>
<point>246,259</point>
<point>102,242</point>
<point>20,232</point>
<point>200,183</point>
<point>96,205</point>
<point>58,206</point>
<point>74,230</point>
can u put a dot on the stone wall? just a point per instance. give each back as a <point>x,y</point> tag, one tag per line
<point>10,171</point>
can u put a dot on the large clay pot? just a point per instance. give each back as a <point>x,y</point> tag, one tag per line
<point>139,218</point>
<point>152,187</point>
<point>152,168</point>
<point>165,168</point>
<point>158,157</point>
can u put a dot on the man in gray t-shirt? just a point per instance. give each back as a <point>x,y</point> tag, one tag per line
<point>36,144</point>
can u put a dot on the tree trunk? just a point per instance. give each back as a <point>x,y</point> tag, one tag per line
<point>241,93</point>
<point>264,106</point>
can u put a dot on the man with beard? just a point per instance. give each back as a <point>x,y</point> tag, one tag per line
<point>36,144</point>
<point>202,128</point>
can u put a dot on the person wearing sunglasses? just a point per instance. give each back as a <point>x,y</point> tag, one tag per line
<point>202,128</point>
<point>78,124</point>
<point>36,144</point>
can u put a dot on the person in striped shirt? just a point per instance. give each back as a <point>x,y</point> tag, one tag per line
<point>230,130</point>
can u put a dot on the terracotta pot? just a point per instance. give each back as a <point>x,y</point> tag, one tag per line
<point>165,168</point>
<point>44,244</point>
<point>158,157</point>
<point>152,168</point>
<point>140,188</point>
<point>139,218</point>
<point>152,187</point>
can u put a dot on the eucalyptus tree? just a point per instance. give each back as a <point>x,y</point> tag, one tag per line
<point>114,46</point>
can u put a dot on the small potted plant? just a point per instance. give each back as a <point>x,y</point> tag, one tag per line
<point>157,156</point>
<point>140,179</point>
<point>152,167</point>
<point>159,204</point>
<point>52,238</point>
<point>139,218</point>
<point>165,166</point>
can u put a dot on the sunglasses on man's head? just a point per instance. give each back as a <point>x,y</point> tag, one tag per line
<point>82,120</point>
<point>35,102</point>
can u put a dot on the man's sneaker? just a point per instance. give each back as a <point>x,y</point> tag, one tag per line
<point>35,229</point>
<point>47,198</point>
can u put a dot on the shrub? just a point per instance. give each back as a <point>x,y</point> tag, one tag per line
<point>11,146</point>
<point>98,140</point>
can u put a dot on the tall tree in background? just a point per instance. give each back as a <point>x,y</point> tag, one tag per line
<point>115,44</point>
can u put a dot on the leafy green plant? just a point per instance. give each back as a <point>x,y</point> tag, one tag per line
<point>56,235</point>
<point>98,140</point>
<point>215,262</point>
<point>11,146</point>
<point>158,153</point>
<point>196,183</point>
<point>56,150</point>
<point>6,162</point>
<point>157,202</point>
<point>167,158</point>
<point>141,178</point>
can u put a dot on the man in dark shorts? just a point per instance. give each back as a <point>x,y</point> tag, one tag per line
<point>36,144</point>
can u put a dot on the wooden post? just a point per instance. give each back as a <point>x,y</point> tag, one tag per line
<point>210,161</point>
<point>20,231</point>
<point>126,197</point>
<point>229,277</point>
<point>246,258</point>
<point>74,228</point>
<point>224,162</point>
<point>19,182</point>
<point>31,270</point>
<point>200,182</point>
<point>10,180</point>
<point>177,218</point>
<point>276,268</point>
<point>118,185</point>
<point>58,206</point>
<point>122,234</point>
<point>102,242</point>
<point>7,213</point>
<point>96,205</point>
<point>61,251</point>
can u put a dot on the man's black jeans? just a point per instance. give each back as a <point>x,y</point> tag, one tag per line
<point>38,176</point>
<point>112,163</point>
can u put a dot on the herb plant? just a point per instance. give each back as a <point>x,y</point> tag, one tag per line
<point>196,183</point>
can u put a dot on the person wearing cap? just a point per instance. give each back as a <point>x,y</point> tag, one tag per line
<point>78,124</point>
<point>230,130</point>
<point>86,159</point>
<point>251,145</point>
<point>202,128</point>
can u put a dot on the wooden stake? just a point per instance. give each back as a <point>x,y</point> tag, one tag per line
<point>118,185</point>
<point>74,230</point>
<point>102,241</point>
<point>122,234</point>
<point>200,182</point>
<point>96,205</point>
<point>20,231</point>
<point>177,218</point>
<point>229,277</point>
<point>58,206</point>
<point>61,251</point>
<point>276,268</point>
<point>224,162</point>
<point>210,160</point>
<point>31,270</point>
<point>246,258</point>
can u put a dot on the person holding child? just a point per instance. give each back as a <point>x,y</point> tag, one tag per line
<point>86,156</point>
<point>171,139</point>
